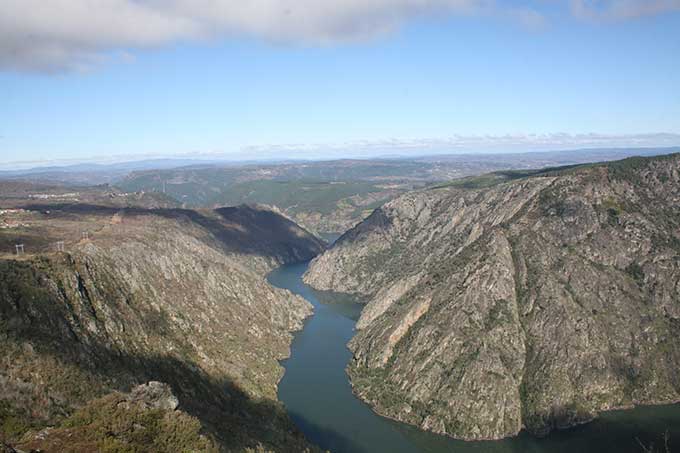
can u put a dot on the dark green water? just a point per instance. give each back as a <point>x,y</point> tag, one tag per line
<point>317,394</point>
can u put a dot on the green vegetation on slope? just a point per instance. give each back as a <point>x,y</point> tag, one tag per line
<point>298,196</point>
<point>170,295</point>
<point>115,424</point>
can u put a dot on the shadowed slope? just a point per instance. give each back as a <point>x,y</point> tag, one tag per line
<point>170,295</point>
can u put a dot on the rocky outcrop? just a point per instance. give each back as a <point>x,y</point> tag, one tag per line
<point>533,303</point>
<point>167,295</point>
<point>146,419</point>
<point>153,395</point>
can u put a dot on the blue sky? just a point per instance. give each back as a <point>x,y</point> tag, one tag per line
<point>444,78</point>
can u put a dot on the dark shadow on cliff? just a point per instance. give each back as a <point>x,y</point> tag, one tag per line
<point>377,221</point>
<point>241,229</point>
<point>77,364</point>
<point>226,412</point>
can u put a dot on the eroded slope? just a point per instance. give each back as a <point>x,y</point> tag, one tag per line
<point>171,295</point>
<point>533,303</point>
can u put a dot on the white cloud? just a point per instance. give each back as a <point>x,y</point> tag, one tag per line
<point>468,144</point>
<point>56,35</point>
<point>62,35</point>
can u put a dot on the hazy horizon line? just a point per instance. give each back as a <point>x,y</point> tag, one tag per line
<point>245,156</point>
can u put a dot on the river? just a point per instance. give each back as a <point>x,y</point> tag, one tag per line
<point>319,399</point>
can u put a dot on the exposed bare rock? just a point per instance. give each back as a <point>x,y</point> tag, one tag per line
<point>154,395</point>
<point>170,295</point>
<point>520,300</point>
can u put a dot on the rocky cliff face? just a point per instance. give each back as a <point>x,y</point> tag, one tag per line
<point>532,303</point>
<point>171,295</point>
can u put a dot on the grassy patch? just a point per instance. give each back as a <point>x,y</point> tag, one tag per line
<point>112,424</point>
<point>13,423</point>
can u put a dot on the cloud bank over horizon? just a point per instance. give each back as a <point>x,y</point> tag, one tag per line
<point>456,144</point>
<point>70,35</point>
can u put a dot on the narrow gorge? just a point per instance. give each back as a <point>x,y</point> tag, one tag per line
<point>521,310</point>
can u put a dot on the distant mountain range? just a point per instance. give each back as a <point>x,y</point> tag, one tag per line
<point>83,172</point>
<point>323,196</point>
